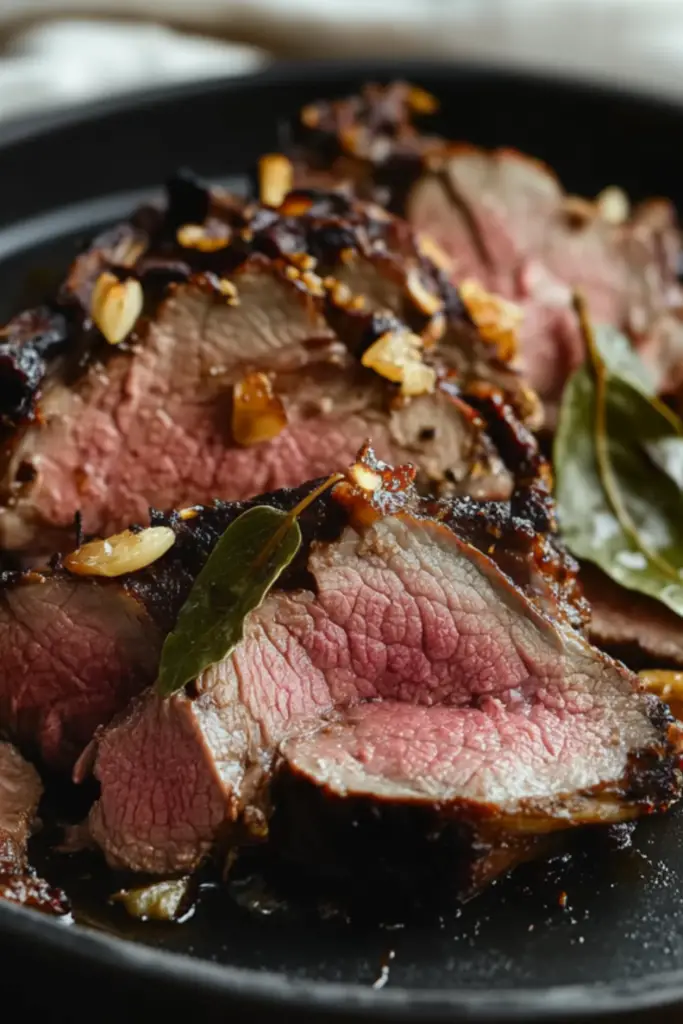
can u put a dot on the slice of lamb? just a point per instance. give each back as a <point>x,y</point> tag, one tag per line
<point>73,653</point>
<point>505,220</point>
<point>632,626</point>
<point>110,429</point>
<point>74,650</point>
<point>20,792</point>
<point>414,673</point>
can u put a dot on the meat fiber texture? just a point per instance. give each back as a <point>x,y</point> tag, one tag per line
<point>75,650</point>
<point>106,431</point>
<point>506,221</point>
<point>410,674</point>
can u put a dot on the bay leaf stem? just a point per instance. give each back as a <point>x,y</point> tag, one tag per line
<point>601,437</point>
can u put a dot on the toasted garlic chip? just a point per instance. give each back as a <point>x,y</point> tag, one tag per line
<point>195,236</point>
<point>433,251</point>
<point>116,305</point>
<point>666,684</point>
<point>497,319</point>
<point>421,101</point>
<point>397,356</point>
<point>276,177</point>
<point>427,302</point>
<point>364,478</point>
<point>613,205</point>
<point>229,291</point>
<point>258,415</point>
<point>123,553</point>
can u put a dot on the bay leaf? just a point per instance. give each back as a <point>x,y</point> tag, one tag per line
<point>640,544</point>
<point>241,569</point>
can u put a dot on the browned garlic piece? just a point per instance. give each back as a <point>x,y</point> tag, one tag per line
<point>115,306</point>
<point>258,415</point>
<point>229,291</point>
<point>433,251</point>
<point>613,205</point>
<point>196,236</point>
<point>668,685</point>
<point>397,355</point>
<point>427,302</point>
<point>123,553</point>
<point>498,319</point>
<point>276,177</point>
<point>364,478</point>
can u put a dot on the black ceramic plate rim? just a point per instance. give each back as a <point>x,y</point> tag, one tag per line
<point>269,989</point>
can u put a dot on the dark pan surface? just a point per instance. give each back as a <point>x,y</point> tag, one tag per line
<point>514,953</point>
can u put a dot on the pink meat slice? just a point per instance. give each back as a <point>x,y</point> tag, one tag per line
<point>416,670</point>
<point>73,655</point>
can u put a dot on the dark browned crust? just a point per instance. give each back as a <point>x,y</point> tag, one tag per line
<point>27,344</point>
<point>329,227</point>
<point>20,884</point>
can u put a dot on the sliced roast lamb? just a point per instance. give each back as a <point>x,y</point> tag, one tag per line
<point>74,650</point>
<point>505,221</point>
<point>251,350</point>
<point>20,791</point>
<point>394,673</point>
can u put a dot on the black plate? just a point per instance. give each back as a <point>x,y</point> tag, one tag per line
<point>514,953</point>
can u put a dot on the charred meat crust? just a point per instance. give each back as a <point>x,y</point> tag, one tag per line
<point>20,791</point>
<point>311,225</point>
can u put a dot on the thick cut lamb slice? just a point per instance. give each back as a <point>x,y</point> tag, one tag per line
<point>504,220</point>
<point>20,791</point>
<point>246,370</point>
<point>411,672</point>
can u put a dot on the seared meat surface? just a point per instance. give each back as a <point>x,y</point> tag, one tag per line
<point>505,220</point>
<point>20,791</point>
<point>404,669</point>
<point>248,369</point>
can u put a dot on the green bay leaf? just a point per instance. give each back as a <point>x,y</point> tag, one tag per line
<point>243,566</point>
<point>642,549</point>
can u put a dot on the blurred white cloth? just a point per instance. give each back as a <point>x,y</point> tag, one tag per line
<point>45,63</point>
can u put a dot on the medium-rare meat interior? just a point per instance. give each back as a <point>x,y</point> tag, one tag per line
<point>395,666</point>
<point>76,649</point>
<point>251,349</point>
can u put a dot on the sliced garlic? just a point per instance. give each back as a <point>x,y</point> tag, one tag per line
<point>613,205</point>
<point>229,290</point>
<point>276,177</point>
<point>116,305</point>
<point>433,251</point>
<point>365,479</point>
<point>427,302</point>
<point>195,236</point>
<point>498,319</point>
<point>397,356</point>
<point>123,553</point>
<point>258,414</point>
<point>421,101</point>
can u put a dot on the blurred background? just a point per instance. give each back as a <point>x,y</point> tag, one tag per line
<point>57,52</point>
